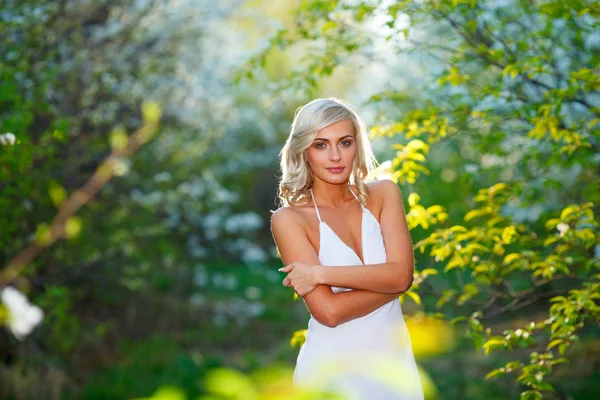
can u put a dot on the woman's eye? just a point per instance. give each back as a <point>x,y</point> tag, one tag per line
<point>346,143</point>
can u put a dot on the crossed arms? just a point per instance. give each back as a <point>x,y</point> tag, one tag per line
<point>374,285</point>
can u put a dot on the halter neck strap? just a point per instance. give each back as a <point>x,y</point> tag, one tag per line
<point>317,208</point>
<point>315,203</point>
<point>356,197</point>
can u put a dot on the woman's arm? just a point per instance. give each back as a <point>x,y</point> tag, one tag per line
<point>353,304</point>
<point>393,276</point>
<point>396,274</point>
<point>328,308</point>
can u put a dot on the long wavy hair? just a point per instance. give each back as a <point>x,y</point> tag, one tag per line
<point>296,176</point>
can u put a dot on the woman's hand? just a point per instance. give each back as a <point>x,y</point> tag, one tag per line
<point>303,278</point>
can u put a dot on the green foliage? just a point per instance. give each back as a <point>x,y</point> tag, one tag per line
<point>515,95</point>
<point>141,370</point>
<point>78,79</point>
<point>509,108</point>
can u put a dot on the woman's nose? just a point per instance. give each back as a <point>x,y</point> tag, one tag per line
<point>335,154</point>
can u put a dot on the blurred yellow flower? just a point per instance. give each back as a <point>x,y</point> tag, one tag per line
<point>429,335</point>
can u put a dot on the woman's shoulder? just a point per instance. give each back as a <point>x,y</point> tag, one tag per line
<point>381,187</point>
<point>378,189</point>
<point>289,215</point>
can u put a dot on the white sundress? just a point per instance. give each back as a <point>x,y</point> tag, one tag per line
<point>368,358</point>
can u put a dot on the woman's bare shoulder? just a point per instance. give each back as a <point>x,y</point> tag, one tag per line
<point>380,187</point>
<point>289,215</point>
<point>378,190</point>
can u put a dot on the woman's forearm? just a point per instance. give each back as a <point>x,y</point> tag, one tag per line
<point>387,278</point>
<point>352,304</point>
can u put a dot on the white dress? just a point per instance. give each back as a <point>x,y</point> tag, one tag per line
<point>368,358</point>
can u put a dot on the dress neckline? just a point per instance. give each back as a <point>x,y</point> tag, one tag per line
<point>364,210</point>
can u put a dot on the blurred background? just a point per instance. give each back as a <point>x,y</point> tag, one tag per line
<point>139,145</point>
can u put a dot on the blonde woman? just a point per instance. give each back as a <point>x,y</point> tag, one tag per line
<point>348,253</point>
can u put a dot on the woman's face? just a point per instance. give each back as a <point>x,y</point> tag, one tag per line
<point>333,146</point>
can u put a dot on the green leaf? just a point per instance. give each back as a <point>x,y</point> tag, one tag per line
<point>496,372</point>
<point>57,193</point>
<point>554,343</point>
<point>299,338</point>
<point>43,234</point>
<point>329,25</point>
<point>558,298</point>
<point>493,344</point>
<point>455,320</point>
<point>531,395</point>
<point>473,214</point>
<point>415,296</point>
<point>119,139</point>
<point>168,393</point>
<point>510,258</point>
<point>428,271</point>
<point>73,227</point>
<point>151,112</point>
<point>568,212</point>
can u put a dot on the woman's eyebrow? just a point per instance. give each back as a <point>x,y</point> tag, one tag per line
<point>327,140</point>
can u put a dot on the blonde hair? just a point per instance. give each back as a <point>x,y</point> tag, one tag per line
<point>296,175</point>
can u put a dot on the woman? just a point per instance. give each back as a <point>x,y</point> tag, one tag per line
<point>347,251</point>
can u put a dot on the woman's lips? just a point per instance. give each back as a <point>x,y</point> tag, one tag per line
<point>335,170</point>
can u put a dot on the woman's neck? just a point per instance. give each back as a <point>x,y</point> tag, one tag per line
<point>329,195</point>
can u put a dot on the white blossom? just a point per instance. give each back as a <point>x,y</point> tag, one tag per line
<point>121,166</point>
<point>201,277</point>
<point>562,228</point>
<point>244,222</point>
<point>254,254</point>
<point>471,168</point>
<point>22,315</point>
<point>227,281</point>
<point>162,177</point>
<point>211,221</point>
<point>491,160</point>
<point>196,250</point>
<point>197,299</point>
<point>382,171</point>
<point>253,293</point>
<point>256,308</point>
<point>7,138</point>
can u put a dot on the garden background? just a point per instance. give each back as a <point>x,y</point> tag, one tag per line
<point>139,144</point>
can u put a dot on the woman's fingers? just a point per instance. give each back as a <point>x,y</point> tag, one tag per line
<point>287,268</point>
